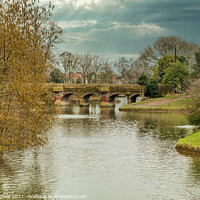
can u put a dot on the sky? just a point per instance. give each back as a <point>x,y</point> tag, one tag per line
<point>116,28</point>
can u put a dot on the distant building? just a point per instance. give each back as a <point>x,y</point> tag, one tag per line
<point>117,79</point>
<point>75,78</point>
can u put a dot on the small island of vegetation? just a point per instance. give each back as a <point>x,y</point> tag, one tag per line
<point>189,144</point>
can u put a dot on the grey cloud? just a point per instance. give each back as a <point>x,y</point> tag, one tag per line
<point>171,17</point>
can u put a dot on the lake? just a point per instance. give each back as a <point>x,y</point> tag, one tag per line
<point>104,154</point>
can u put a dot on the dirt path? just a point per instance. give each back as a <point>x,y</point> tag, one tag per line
<point>157,102</point>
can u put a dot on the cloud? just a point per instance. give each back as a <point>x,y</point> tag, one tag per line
<point>140,29</point>
<point>113,39</point>
<point>87,4</point>
<point>111,36</point>
<point>76,23</point>
<point>124,27</point>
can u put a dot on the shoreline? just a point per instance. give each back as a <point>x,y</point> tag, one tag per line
<point>189,145</point>
<point>153,110</point>
<point>187,150</point>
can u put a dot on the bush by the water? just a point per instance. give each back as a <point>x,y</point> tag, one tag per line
<point>194,117</point>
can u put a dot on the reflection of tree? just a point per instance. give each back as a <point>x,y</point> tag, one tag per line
<point>194,177</point>
<point>161,125</point>
<point>19,177</point>
<point>194,169</point>
<point>108,113</point>
<point>84,110</point>
<point>5,170</point>
<point>64,110</point>
<point>35,185</point>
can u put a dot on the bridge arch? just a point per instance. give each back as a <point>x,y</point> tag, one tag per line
<point>66,95</point>
<point>112,96</point>
<point>134,97</point>
<point>87,96</point>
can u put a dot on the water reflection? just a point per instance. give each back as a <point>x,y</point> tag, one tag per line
<point>106,155</point>
<point>162,126</point>
<point>194,169</point>
<point>108,113</point>
<point>20,176</point>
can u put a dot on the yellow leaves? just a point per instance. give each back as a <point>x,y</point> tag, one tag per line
<point>23,72</point>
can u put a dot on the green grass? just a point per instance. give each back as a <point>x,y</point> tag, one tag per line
<point>176,105</point>
<point>180,104</point>
<point>170,97</point>
<point>191,140</point>
<point>151,100</point>
<point>142,102</point>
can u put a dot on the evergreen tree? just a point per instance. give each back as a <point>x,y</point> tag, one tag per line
<point>151,87</point>
<point>142,79</point>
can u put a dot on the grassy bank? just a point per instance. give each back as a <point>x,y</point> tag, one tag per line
<point>164,104</point>
<point>189,144</point>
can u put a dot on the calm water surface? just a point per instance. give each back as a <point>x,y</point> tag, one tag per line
<point>106,155</point>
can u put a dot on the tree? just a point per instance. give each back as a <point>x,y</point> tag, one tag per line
<point>85,61</point>
<point>25,106</point>
<point>57,76</point>
<point>142,79</point>
<point>142,66</point>
<point>165,46</point>
<point>125,69</point>
<point>151,87</point>
<point>176,74</point>
<point>107,74</point>
<point>95,69</point>
<point>162,65</point>
<point>69,64</point>
<point>90,67</point>
<point>194,104</point>
<point>196,66</point>
<point>50,33</point>
<point>182,59</point>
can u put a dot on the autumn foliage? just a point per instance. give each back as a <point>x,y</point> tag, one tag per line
<point>25,107</point>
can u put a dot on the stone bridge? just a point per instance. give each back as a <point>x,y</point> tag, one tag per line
<point>106,92</point>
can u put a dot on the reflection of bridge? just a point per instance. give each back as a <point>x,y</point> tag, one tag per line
<point>107,92</point>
